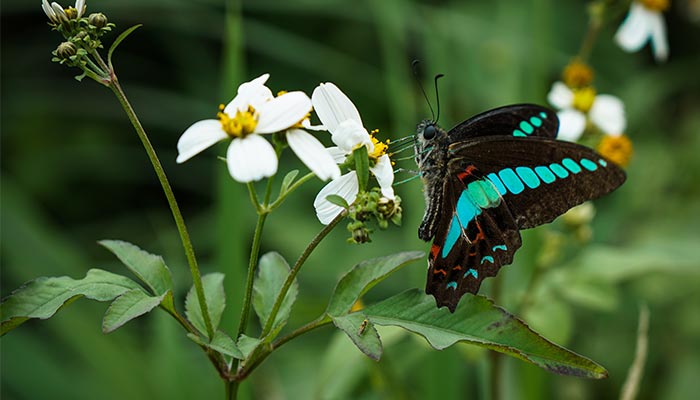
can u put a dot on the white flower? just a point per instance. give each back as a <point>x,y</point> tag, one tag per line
<point>252,112</point>
<point>577,106</point>
<point>56,12</point>
<point>645,23</point>
<point>340,117</point>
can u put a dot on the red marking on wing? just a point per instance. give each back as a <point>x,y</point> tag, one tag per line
<point>467,172</point>
<point>440,271</point>
<point>434,249</point>
<point>457,268</point>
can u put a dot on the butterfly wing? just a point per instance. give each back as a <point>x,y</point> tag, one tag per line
<point>496,186</point>
<point>540,178</point>
<point>473,239</point>
<point>519,120</point>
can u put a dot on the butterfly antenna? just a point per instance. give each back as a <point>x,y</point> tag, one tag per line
<point>420,85</point>
<point>437,95</point>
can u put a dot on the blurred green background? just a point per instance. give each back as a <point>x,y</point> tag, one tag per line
<point>74,172</point>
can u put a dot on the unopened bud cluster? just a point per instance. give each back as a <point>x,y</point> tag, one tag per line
<point>372,206</point>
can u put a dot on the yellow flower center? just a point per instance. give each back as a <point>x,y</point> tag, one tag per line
<point>583,98</point>
<point>616,148</point>
<point>577,74</point>
<point>380,148</point>
<point>241,125</point>
<point>656,5</point>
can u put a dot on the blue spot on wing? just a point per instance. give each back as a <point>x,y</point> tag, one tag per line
<point>452,285</point>
<point>571,165</point>
<point>511,180</point>
<point>487,258</point>
<point>528,176</point>
<point>472,272</point>
<point>588,164</point>
<point>499,247</point>
<point>497,182</point>
<point>545,174</point>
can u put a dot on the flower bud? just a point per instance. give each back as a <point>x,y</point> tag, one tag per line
<point>66,50</point>
<point>98,20</point>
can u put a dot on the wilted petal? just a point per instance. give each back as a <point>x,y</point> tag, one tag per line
<point>560,96</point>
<point>349,134</point>
<point>312,153</point>
<point>48,10</point>
<point>659,43</point>
<point>283,112</point>
<point>346,187</point>
<point>199,136</point>
<point>251,159</point>
<point>608,113</point>
<point>253,93</point>
<point>384,172</point>
<point>333,106</point>
<point>571,124</point>
<point>635,29</point>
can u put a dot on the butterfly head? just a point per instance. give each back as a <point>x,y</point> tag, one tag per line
<point>429,136</point>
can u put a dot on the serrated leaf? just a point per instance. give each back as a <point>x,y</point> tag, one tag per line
<point>149,268</point>
<point>272,272</point>
<point>287,181</point>
<point>478,321</point>
<point>117,41</point>
<point>221,343</point>
<point>213,285</point>
<point>363,277</point>
<point>337,200</point>
<point>247,345</point>
<point>362,333</point>
<point>130,305</point>
<point>361,166</point>
<point>42,297</point>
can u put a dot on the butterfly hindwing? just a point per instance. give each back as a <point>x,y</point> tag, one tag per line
<point>539,178</point>
<point>476,235</point>
<point>518,120</point>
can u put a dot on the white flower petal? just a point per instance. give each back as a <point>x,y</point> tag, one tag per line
<point>306,124</point>
<point>80,6</point>
<point>346,187</point>
<point>608,113</point>
<point>283,112</point>
<point>253,93</point>
<point>251,159</point>
<point>349,134</point>
<point>384,172</point>
<point>659,43</point>
<point>560,96</point>
<point>338,155</point>
<point>199,136</point>
<point>571,124</point>
<point>635,29</point>
<point>312,153</point>
<point>48,10</point>
<point>333,106</point>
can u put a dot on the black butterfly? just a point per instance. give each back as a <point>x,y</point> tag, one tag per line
<point>489,177</point>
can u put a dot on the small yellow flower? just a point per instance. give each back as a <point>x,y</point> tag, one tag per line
<point>241,124</point>
<point>618,149</point>
<point>577,74</point>
<point>380,148</point>
<point>584,98</point>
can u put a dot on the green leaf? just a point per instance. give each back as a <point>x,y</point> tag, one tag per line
<point>272,272</point>
<point>478,321</point>
<point>287,181</point>
<point>221,343</point>
<point>42,297</point>
<point>248,344</point>
<point>361,166</point>
<point>363,277</point>
<point>149,268</point>
<point>362,333</point>
<point>337,200</point>
<point>216,301</point>
<point>117,41</point>
<point>130,305</point>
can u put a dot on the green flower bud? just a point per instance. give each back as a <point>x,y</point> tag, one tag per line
<point>98,20</point>
<point>66,50</point>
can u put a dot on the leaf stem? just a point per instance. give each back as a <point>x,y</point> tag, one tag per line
<point>291,189</point>
<point>295,270</point>
<point>170,196</point>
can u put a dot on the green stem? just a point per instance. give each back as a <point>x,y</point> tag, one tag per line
<point>290,189</point>
<point>170,196</point>
<point>588,40</point>
<point>295,270</point>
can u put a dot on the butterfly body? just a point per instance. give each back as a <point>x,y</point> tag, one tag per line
<point>488,178</point>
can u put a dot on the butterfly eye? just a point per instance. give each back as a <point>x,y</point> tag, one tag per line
<point>429,132</point>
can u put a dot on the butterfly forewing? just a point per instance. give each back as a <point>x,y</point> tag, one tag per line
<point>520,120</point>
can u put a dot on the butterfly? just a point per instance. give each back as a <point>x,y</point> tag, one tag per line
<point>491,176</point>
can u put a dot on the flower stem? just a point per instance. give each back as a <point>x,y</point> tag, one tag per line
<point>295,270</point>
<point>291,189</point>
<point>170,196</point>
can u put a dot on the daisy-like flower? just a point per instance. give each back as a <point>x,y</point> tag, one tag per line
<point>255,111</point>
<point>645,23</point>
<point>57,13</point>
<point>619,149</point>
<point>340,117</point>
<point>577,106</point>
